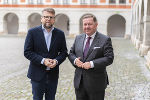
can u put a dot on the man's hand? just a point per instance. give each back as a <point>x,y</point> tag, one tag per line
<point>78,62</point>
<point>54,63</point>
<point>51,63</point>
<point>48,62</point>
<point>86,65</point>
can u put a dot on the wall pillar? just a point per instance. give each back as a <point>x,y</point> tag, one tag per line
<point>127,31</point>
<point>141,31</point>
<point>102,28</point>
<point>145,47</point>
<point>23,26</point>
<point>138,42</point>
<point>134,34</point>
<point>1,25</point>
<point>141,34</point>
<point>74,28</point>
<point>148,59</point>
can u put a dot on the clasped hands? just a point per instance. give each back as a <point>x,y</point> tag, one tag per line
<point>51,63</point>
<point>80,64</point>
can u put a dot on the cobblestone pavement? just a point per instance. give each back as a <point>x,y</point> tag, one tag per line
<point>129,77</point>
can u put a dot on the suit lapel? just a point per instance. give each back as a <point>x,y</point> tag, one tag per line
<point>53,39</point>
<point>43,42</point>
<point>81,44</point>
<point>96,41</point>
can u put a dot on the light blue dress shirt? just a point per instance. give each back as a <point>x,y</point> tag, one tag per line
<point>48,36</point>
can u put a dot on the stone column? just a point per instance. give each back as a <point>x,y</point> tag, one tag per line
<point>74,28</point>
<point>133,27</point>
<point>23,26</point>
<point>141,34</point>
<point>148,59</point>
<point>1,25</point>
<point>135,34</point>
<point>102,28</point>
<point>137,45</point>
<point>145,47</point>
<point>128,31</point>
<point>141,31</point>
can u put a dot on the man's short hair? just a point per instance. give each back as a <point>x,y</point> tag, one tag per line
<point>90,16</point>
<point>50,10</point>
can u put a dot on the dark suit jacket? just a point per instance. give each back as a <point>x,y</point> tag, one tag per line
<point>35,50</point>
<point>101,53</point>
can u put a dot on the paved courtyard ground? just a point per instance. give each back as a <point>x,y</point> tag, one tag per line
<point>129,77</point>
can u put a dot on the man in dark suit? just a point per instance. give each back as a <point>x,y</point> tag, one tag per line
<point>90,54</point>
<point>45,47</point>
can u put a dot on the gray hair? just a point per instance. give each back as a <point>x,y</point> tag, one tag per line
<point>50,10</point>
<point>90,16</point>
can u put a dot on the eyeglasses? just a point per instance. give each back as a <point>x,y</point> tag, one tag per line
<point>48,17</point>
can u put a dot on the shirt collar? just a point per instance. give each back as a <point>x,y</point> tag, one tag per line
<point>92,36</point>
<point>44,29</point>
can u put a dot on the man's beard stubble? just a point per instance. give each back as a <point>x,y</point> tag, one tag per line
<point>47,26</point>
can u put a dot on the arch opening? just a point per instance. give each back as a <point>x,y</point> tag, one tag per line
<point>116,26</point>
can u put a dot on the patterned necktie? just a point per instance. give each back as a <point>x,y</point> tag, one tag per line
<point>87,46</point>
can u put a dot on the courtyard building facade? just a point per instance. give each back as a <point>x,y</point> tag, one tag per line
<point>141,28</point>
<point>114,16</point>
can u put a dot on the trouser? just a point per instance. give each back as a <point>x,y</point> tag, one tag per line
<point>45,87</point>
<point>82,93</point>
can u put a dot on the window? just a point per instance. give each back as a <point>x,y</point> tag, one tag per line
<point>30,1</point>
<point>56,1</point>
<point>39,1</point>
<point>112,1</point>
<point>122,1</point>
<point>5,1</point>
<point>93,2</point>
<point>83,2</point>
<point>14,1</point>
<point>65,1</point>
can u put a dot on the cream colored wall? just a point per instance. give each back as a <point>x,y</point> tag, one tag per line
<point>73,14</point>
